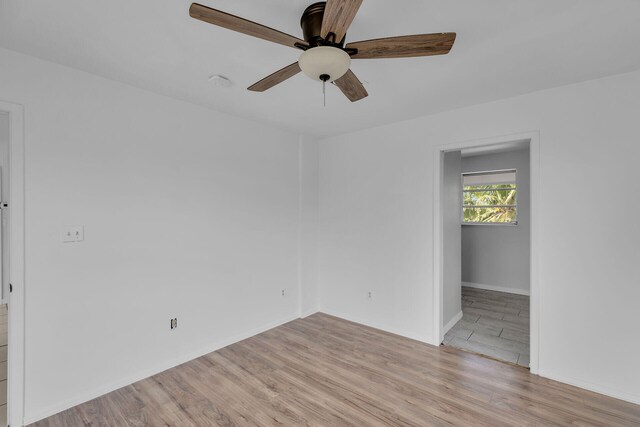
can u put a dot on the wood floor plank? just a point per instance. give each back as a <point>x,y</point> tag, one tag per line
<point>346,382</point>
<point>401,392</point>
<point>511,382</point>
<point>325,371</point>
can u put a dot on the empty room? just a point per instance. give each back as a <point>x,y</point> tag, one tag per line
<point>299,213</point>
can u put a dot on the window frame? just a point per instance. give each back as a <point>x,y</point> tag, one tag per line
<point>462,191</point>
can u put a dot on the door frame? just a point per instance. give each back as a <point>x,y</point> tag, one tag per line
<point>16,298</point>
<point>533,138</point>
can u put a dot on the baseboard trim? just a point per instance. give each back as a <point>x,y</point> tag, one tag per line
<point>308,313</point>
<point>616,394</point>
<point>97,392</point>
<point>451,323</point>
<point>496,288</point>
<point>406,334</point>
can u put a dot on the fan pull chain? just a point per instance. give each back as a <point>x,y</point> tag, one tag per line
<point>324,78</point>
<point>324,94</point>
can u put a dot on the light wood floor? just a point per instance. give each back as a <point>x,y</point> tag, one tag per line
<point>4,335</point>
<point>323,371</point>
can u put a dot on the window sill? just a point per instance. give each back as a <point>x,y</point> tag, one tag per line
<point>493,224</point>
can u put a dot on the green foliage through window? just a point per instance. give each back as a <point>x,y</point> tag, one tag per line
<point>490,203</point>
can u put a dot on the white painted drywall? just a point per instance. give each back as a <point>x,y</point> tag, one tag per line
<point>4,164</point>
<point>376,222</point>
<point>308,225</point>
<point>188,213</point>
<point>451,236</point>
<point>499,255</point>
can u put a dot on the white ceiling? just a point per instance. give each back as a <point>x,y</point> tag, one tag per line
<point>504,48</point>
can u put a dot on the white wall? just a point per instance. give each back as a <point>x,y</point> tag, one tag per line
<point>188,213</point>
<point>4,165</point>
<point>375,211</point>
<point>308,225</point>
<point>499,255</point>
<point>376,222</point>
<point>451,237</point>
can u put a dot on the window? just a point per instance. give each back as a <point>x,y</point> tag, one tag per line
<point>489,197</point>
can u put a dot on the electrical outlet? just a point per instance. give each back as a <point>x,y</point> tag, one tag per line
<point>369,295</point>
<point>174,323</point>
<point>283,292</point>
<point>74,233</point>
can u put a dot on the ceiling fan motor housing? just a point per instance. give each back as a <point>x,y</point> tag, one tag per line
<point>311,23</point>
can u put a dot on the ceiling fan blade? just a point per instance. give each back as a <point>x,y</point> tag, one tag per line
<point>241,25</point>
<point>404,46</point>
<point>338,16</point>
<point>275,78</point>
<point>351,87</point>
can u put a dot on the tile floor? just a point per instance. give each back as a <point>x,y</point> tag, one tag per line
<point>3,364</point>
<point>495,324</point>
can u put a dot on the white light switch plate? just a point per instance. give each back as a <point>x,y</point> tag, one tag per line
<point>73,233</point>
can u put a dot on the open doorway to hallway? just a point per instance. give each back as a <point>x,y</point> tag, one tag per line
<point>4,264</point>
<point>486,250</point>
<point>12,312</point>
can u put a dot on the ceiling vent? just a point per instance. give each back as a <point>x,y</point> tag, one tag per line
<point>220,81</point>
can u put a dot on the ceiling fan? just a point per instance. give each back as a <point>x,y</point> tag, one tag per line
<point>325,56</point>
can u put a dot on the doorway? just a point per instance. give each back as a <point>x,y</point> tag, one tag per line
<point>485,271</point>
<point>4,270</point>
<point>12,256</point>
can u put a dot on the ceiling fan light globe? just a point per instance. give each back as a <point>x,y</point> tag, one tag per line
<point>324,60</point>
